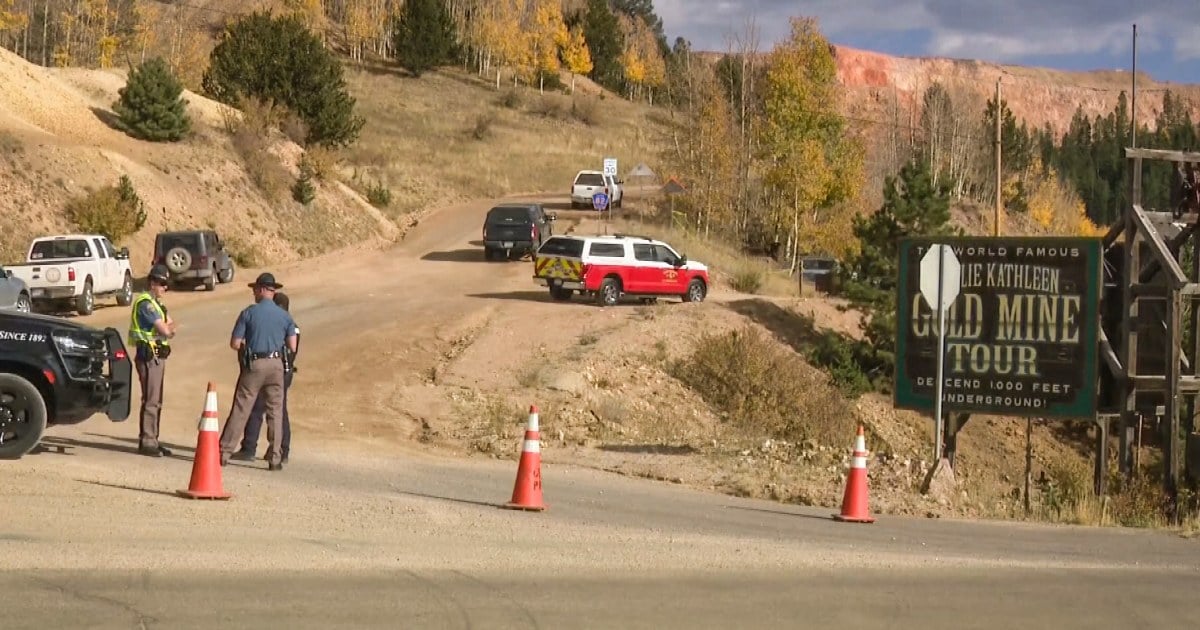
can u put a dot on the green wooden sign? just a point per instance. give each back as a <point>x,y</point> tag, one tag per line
<point>1022,337</point>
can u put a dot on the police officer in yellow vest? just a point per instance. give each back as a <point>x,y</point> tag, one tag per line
<point>149,329</point>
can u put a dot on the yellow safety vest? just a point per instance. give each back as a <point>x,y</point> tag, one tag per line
<point>148,336</point>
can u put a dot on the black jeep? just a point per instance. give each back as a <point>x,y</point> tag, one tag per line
<point>54,372</point>
<point>194,257</point>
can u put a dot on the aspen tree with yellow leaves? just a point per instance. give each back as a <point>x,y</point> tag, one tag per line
<point>811,164</point>
<point>577,56</point>
<point>1054,209</point>
<point>547,38</point>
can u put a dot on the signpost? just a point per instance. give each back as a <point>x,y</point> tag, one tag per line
<point>1020,337</point>
<point>941,280</point>
<point>610,167</point>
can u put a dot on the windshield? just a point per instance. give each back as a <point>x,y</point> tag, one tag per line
<point>509,215</point>
<point>590,179</point>
<point>66,248</point>
<point>558,246</point>
<point>167,242</point>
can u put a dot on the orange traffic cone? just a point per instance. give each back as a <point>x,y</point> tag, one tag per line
<point>527,492</point>
<point>854,502</point>
<point>206,465</point>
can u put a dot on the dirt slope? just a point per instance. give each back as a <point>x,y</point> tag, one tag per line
<point>55,143</point>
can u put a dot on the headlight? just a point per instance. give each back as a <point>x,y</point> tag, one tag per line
<point>75,343</point>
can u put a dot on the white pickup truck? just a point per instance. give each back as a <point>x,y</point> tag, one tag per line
<point>72,269</point>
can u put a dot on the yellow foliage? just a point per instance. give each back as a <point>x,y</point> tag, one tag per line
<point>107,47</point>
<point>1055,209</point>
<point>576,53</point>
<point>548,35</point>
<point>10,18</point>
<point>641,60</point>
<point>812,164</point>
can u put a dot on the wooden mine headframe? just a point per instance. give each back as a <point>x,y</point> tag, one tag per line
<point>1147,370</point>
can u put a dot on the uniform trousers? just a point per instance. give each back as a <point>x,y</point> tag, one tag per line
<point>254,425</point>
<point>150,375</point>
<point>263,377</point>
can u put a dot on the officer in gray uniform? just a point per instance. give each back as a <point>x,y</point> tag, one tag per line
<point>258,337</point>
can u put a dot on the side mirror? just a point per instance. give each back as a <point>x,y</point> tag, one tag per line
<point>681,261</point>
<point>550,216</point>
<point>8,273</point>
<point>620,181</point>
<point>123,254</point>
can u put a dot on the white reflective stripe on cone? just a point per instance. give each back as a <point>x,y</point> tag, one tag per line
<point>860,444</point>
<point>533,422</point>
<point>859,462</point>
<point>210,423</point>
<point>532,446</point>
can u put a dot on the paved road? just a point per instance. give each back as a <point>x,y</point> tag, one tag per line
<point>387,536</point>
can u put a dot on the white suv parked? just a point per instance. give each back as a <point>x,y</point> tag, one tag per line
<point>588,183</point>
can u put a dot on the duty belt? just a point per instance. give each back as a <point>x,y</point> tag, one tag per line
<point>254,356</point>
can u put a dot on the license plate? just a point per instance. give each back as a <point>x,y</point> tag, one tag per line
<point>38,292</point>
<point>557,282</point>
<point>508,244</point>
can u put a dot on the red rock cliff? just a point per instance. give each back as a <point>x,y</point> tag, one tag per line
<point>874,81</point>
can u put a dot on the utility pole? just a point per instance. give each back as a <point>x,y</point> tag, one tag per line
<point>1133,95</point>
<point>999,178</point>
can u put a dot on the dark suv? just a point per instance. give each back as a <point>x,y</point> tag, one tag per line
<point>516,227</point>
<point>55,372</point>
<point>194,257</point>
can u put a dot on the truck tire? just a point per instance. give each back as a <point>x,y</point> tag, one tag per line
<point>696,291</point>
<point>24,305</point>
<point>226,275</point>
<point>125,295</point>
<point>86,301</point>
<point>609,293</point>
<point>178,259</point>
<point>22,416</point>
<point>210,281</point>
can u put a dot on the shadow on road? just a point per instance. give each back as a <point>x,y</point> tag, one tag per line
<point>133,445</point>
<point>121,487</point>
<point>784,513</point>
<point>523,296</point>
<point>648,449</point>
<point>451,499</point>
<point>457,255</point>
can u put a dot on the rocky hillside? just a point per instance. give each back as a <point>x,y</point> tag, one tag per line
<point>876,83</point>
<point>56,143</point>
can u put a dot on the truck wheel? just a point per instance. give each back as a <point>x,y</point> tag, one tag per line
<point>609,293</point>
<point>23,303</point>
<point>695,291</point>
<point>210,281</point>
<point>22,416</point>
<point>86,300</point>
<point>125,297</point>
<point>226,275</point>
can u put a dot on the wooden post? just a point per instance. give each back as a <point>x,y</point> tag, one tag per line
<point>999,176</point>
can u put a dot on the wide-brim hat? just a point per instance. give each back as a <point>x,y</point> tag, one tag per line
<point>265,280</point>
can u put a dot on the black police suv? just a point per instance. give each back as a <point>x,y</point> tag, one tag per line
<point>55,372</point>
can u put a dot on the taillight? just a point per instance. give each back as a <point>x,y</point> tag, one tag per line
<point>533,233</point>
<point>71,274</point>
<point>120,355</point>
<point>49,376</point>
<point>204,260</point>
<point>583,269</point>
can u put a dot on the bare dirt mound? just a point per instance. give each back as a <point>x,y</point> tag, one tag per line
<point>56,142</point>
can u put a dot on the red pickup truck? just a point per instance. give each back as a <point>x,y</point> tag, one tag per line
<point>609,267</point>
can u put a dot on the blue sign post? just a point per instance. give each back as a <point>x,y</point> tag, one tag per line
<point>600,201</point>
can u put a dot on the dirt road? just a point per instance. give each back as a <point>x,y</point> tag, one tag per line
<point>365,529</point>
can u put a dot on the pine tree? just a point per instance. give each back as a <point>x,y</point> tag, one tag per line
<point>913,205</point>
<point>424,37</point>
<point>303,190</point>
<point>279,59</point>
<point>603,34</point>
<point>150,106</point>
